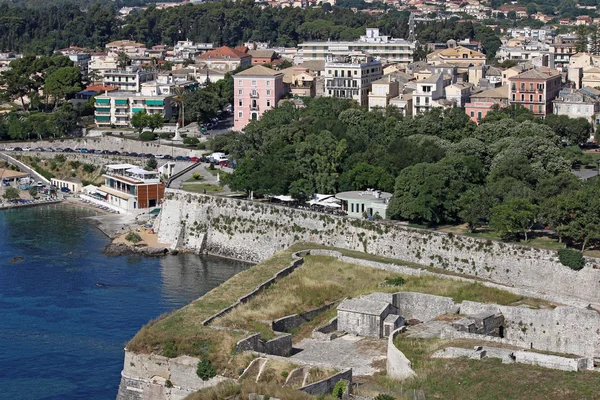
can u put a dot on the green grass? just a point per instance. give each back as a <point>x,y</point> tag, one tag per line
<point>201,187</point>
<point>486,379</point>
<point>200,178</point>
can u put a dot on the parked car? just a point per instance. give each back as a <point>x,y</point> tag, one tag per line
<point>168,157</point>
<point>9,148</point>
<point>178,158</point>
<point>17,149</point>
<point>84,150</point>
<point>26,149</point>
<point>68,150</point>
<point>125,153</point>
<point>37,149</point>
<point>65,190</point>
<point>194,159</point>
<point>115,153</point>
<point>133,154</point>
<point>59,150</point>
<point>159,156</point>
<point>49,149</point>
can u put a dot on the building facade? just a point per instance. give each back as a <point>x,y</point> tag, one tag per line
<point>382,91</point>
<point>381,48</point>
<point>582,103</point>
<point>129,80</point>
<point>256,90</point>
<point>224,58</point>
<point>352,79</point>
<point>535,89</point>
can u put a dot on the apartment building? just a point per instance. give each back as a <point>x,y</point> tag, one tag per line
<point>562,49</point>
<point>379,47</point>
<point>117,108</point>
<point>483,102</point>
<point>428,92</point>
<point>535,89</point>
<point>352,78</point>
<point>382,91</point>
<point>525,51</point>
<point>188,50</point>
<point>459,56</point>
<point>129,47</point>
<point>256,90</point>
<point>128,80</point>
<point>300,81</point>
<point>127,188</point>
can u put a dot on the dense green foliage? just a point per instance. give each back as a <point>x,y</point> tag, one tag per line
<point>509,173</point>
<point>571,258</point>
<point>339,388</point>
<point>11,194</point>
<point>37,29</point>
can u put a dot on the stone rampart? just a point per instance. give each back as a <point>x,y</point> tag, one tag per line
<point>279,346</point>
<point>254,231</point>
<point>424,307</point>
<point>144,376</point>
<point>397,365</point>
<point>291,322</point>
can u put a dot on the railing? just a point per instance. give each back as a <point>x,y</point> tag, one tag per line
<point>102,112</point>
<point>180,173</point>
<point>254,108</point>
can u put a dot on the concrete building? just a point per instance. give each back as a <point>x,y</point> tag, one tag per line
<point>188,50</point>
<point>73,184</point>
<point>483,102</point>
<point>98,66</point>
<point>562,49</point>
<point>458,93</point>
<point>582,103</point>
<point>403,103</point>
<point>381,48</point>
<point>382,91</point>
<point>128,188</point>
<point>535,89</point>
<point>117,108</point>
<point>300,81</point>
<point>357,204</point>
<point>428,91</point>
<point>129,80</point>
<point>459,56</point>
<point>262,56</point>
<point>591,77</point>
<point>256,90</point>
<point>224,58</point>
<point>351,79</point>
<point>129,47</point>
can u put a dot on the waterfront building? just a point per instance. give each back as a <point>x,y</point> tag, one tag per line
<point>127,188</point>
<point>73,184</point>
<point>367,203</point>
<point>117,108</point>
<point>381,48</point>
<point>256,90</point>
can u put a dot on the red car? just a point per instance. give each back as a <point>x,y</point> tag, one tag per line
<point>194,159</point>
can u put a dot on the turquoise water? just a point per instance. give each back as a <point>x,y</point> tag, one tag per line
<point>66,310</point>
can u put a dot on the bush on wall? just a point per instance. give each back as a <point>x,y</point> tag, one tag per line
<point>571,258</point>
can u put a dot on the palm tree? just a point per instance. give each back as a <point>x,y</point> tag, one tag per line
<point>179,102</point>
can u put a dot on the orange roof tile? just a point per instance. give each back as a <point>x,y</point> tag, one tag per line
<point>223,52</point>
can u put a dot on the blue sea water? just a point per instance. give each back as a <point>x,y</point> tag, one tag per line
<point>66,310</point>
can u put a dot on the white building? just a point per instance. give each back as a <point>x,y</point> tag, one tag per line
<point>582,103</point>
<point>129,80</point>
<point>428,92</point>
<point>352,79</point>
<point>381,48</point>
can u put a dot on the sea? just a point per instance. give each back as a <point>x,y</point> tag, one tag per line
<point>67,311</point>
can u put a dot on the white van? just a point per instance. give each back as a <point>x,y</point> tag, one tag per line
<point>218,157</point>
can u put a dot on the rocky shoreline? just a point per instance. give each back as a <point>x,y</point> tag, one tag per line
<point>121,249</point>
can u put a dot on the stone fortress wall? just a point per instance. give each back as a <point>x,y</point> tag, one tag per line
<point>254,231</point>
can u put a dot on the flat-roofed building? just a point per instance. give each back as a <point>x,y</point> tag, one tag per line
<point>352,78</point>
<point>380,47</point>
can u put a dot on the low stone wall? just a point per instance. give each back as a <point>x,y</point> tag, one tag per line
<point>326,385</point>
<point>291,322</point>
<point>144,376</point>
<point>112,143</point>
<point>511,356</point>
<point>424,307</point>
<point>279,346</point>
<point>397,366</point>
<point>326,332</point>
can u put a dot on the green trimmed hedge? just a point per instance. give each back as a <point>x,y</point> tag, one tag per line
<point>571,258</point>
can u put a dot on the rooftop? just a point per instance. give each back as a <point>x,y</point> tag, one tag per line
<point>223,53</point>
<point>10,174</point>
<point>364,195</point>
<point>363,306</point>
<point>499,92</point>
<point>536,73</point>
<point>259,70</point>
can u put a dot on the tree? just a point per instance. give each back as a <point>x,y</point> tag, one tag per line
<point>63,83</point>
<point>139,121</point>
<point>11,194</point>
<point>155,121</point>
<point>123,60</point>
<point>301,190</point>
<point>570,130</point>
<point>151,164</point>
<point>531,9</point>
<point>512,14</point>
<point>578,214</point>
<point>475,206</point>
<point>513,217</point>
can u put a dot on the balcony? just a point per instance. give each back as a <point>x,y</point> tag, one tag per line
<point>254,95</point>
<point>254,107</point>
<point>102,112</point>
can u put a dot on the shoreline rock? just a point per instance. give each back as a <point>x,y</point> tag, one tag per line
<point>122,249</point>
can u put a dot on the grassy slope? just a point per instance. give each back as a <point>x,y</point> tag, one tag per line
<point>487,379</point>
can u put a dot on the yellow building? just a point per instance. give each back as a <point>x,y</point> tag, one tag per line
<point>459,56</point>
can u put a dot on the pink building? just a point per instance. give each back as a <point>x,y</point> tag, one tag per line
<point>256,90</point>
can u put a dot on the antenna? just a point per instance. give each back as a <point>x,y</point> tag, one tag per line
<point>411,28</point>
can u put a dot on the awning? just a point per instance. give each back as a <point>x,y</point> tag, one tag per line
<point>156,211</point>
<point>101,193</point>
<point>284,198</point>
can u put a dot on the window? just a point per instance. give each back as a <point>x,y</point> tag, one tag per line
<point>472,113</point>
<point>335,73</point>
<point>531,87</point>
<point>268,92</point>
<point>479,115</point>
<point>540,109</point>
<point>253,83</point>
<point>241,82</point>
<point>514,86</point>
<point>253,92</point>
<point>240,92</point>
<point>522,86</point>
<point>240,114</point>
<point>530,97</point>
<point>522,97</point>
<point>240,103</point>
<point>268,103</point>
<point>540,97</point>
<point>355,72</point>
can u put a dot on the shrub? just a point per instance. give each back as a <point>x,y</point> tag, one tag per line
<point>133,237</point>
<point>89,168</point>
<point>399,281</point>
<point>165,135</point>
<point>60,158</point>
<point>196,175</point>
<point>108,133</point>
<point>383,396</point>
<point>147,136</point>
<point>206,370</point>
<point>191,141</point>
<point>168,383</point>
<point>338,389</point>
<point>151,164</point>
<point>284,374</point>
<point>571,258</point>
<point>74,164</point>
